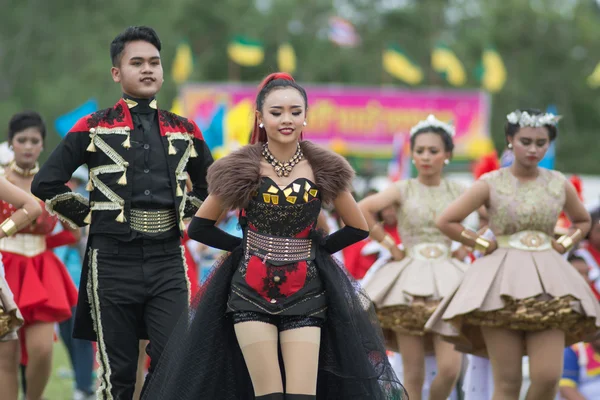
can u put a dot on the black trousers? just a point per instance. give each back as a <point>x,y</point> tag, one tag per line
<point>137,290</point>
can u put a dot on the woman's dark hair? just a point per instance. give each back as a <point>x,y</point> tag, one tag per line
<point>274,81</point>
<point>24,120</point>
<point>511,130</point>
<point>595,217</point>
<point>132,34</point>
<point>446,138</point>
<point>574,257</point>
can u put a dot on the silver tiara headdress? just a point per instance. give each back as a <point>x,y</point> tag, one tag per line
<point>433,122</point>
<point>523,119</point>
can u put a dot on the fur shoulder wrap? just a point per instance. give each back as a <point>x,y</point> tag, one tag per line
<point>235,177</point>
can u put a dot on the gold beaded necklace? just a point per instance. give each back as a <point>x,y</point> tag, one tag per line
<point>22,171</point>
<point>282,168</point>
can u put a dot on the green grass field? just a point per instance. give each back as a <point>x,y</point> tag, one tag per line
<point>61,381</point>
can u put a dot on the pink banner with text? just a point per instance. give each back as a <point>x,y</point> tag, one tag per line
<point>354,120</point>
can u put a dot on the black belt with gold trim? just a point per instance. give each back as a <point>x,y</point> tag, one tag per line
<point>152,221</point>
<point>277,250</point>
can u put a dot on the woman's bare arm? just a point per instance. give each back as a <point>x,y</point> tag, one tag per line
<point>450,221</point>
<point>28,207</point>
<point>371,205</point>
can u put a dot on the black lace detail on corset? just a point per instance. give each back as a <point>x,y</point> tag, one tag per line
<point>280,220</point>
<point>171,120</point>
<point>272,288</point>
<point>108,116</point>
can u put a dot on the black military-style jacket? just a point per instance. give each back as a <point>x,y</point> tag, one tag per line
<point>102,141</point>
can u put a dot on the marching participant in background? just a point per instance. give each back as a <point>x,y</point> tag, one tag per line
<point>521,297</point>
<point>407,290</point>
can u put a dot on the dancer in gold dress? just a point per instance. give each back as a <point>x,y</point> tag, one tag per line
<point>407,290</point>
<point>522,297</point>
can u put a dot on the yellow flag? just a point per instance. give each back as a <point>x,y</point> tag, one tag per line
<point>238,123</point>
<point>397,64</point>
<point>494,71</point>
<point>246,52</point>
<point>183,64</point>
<point>286,58</point>
<point>594,79</point>
<point>445,62</point>
<point>177,107</point>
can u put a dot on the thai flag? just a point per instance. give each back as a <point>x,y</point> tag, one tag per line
<point>342,32</point>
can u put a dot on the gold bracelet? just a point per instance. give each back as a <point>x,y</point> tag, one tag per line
<point>388,242</point>
<point>482,245</point>
<point>9,227</point>
<point>566,242</point>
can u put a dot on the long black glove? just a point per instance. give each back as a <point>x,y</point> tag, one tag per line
<point>343,238</point>
<point>203,230</point>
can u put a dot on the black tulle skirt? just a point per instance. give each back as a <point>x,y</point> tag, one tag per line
<point>203,360</point>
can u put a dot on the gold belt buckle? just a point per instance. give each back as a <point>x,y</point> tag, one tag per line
<point>430,251</point>
<point>530,241</point>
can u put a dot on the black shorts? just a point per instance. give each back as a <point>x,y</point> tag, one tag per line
<point>282,322</point>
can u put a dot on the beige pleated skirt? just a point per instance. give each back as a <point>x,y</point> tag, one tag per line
<point>520,290</point>
<point>10,317</point>
<point>407,292</point>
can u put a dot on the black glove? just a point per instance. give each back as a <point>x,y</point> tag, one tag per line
<point>343,238</point>
<point>203,230</point>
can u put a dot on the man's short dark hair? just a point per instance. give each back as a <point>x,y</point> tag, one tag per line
<point>132,34</point>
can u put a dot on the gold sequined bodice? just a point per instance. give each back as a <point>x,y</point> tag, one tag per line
<point>516,206</point>
<point>420,206</point>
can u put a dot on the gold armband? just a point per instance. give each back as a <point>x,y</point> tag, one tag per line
<point>8,227</point>
<point>388,242</point>
<point>566,242</point>
<point>482,245</point>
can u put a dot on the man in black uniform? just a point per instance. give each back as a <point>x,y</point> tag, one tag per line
<point>134,284</point>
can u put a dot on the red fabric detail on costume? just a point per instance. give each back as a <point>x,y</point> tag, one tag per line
<point>304,233</point>
<point>128,121</point>
<point>42,287</point>
<point>43,225</point>
<point>358,264</point>
<point>256,272</point>
<point>294,280</point>
<point>62,238</point>
<point>197,132</point>
<point>596,254</point>
<point>487,163</point>
<point>192,269</point>
<point>81,125</point>
<point>578,185</point>
<point>392,230</point>
<point>260,277</point>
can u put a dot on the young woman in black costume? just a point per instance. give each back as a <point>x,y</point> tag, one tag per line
<point>278,314</point>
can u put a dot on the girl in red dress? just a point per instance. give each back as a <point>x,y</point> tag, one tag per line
<point>27,209</point>
<point>42,288</point>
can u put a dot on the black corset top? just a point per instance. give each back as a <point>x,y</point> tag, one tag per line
<point>290,211</point>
